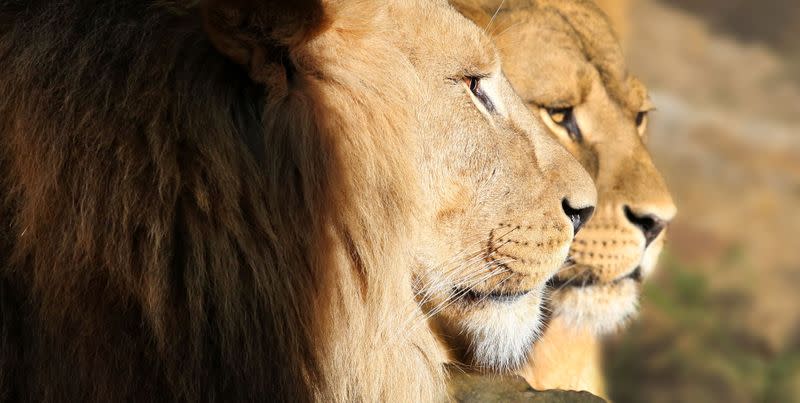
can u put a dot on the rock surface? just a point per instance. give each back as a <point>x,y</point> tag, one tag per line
<point>469,388</point>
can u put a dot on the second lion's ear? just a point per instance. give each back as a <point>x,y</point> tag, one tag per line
<point>259,33</point>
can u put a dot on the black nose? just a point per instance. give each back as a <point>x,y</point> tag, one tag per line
<point>577,216</point>
<point>650,225</point>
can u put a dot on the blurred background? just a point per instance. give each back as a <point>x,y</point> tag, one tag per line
<point>721,320</point>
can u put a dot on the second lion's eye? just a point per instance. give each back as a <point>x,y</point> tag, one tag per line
<point>474,85</point>
<point>640,117</point>
<point>565,117</point>
<point>641,122</point>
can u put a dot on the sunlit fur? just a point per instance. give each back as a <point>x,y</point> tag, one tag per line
<point>563,53</point>
<point>262,200</point>
<point>501,338</point>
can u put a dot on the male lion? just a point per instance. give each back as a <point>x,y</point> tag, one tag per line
<point>563,59</point>
<point>265,200</point>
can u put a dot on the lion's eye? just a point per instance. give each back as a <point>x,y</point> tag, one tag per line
<point>641,122</point>
<point>565,117</point>
<point>474,84</point>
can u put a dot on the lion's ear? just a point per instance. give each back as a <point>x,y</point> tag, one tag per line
<point>256,33</point>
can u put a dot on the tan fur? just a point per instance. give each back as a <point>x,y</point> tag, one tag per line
<point>265,200</point>
<point>618,12</point>
<point>563,53</point>
<point>566,358</point>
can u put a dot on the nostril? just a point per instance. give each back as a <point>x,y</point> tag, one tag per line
<point>577,216</point>
<point>649,224</point>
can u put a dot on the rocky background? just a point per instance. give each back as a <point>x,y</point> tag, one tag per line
<point>721,322</point>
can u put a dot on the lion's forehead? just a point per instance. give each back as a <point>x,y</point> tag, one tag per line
<point>440,41</point>
<point>574,47</point>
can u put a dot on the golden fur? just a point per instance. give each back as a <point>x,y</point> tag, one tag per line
<point>266,200</point>
<point>618,12</point>
<point>563,58</point>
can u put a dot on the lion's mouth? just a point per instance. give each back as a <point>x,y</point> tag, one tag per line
<point>474,296</point>
<point>559,283</point>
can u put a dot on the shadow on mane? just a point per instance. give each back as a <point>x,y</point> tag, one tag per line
<point>177,225</point>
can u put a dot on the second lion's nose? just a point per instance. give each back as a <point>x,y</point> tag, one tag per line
<point>649,224</point>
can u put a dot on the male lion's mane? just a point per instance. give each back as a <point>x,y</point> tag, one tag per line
<point>172,230</point>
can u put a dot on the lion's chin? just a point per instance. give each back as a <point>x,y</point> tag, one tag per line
<point>598,308</point>
<point>496,332</point>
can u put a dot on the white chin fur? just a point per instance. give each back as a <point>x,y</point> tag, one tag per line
<point>501,334</point>
<point>600,309</point>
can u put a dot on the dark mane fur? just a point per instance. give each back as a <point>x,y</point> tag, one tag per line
<point>136,228</point>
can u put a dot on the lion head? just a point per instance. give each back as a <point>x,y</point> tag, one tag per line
<point>503,199</point>
<point>565,62</point>
<point>239,200</point>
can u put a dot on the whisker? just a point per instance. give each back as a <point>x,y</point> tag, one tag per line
<point>417,320</point>
<point>431,282</point>
<point>475,281</point>
<point>510,275</point>
<point>446,274</point>
<point>571,279</point>
<point>480,239</point>
<point>475,278</point>
<point>493,16</point>
<point>449,274</point>
<point>449,301</point>
<point>506,29</point>
<point>471,274</point>
<point>469,277</point>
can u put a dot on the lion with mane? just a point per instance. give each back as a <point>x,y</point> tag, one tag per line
<point>266,200</point>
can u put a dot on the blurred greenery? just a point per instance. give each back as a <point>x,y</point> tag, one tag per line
<point>689,346</point>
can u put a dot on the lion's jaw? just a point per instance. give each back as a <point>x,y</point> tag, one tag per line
<point>491,331</point>
<point>600,304</point>
<point>487,302</point>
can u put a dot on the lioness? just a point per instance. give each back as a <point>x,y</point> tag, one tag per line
<point>247,200</point>
<point>563,59</point>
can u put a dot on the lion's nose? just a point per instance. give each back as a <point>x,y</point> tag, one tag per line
<point>650,224</point>
<point>577,216</point>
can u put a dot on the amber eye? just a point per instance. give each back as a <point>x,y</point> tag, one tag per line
<point>474,84</point>
<point>565,117</point>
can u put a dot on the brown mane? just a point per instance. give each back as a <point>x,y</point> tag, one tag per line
<point>169,232</point>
